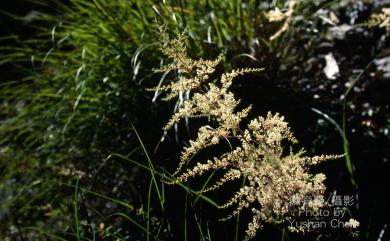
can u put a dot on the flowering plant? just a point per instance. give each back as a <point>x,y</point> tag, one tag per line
<point>273,175</point>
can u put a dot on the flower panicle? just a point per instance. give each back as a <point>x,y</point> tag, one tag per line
<point>258,154</point>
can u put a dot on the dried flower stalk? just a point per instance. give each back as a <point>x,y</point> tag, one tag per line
<point>277,15</point>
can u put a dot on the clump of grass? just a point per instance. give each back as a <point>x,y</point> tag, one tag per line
<point>80,89</point>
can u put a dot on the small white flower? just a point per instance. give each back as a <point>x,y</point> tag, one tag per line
<point>352,223</point>
<point>331,69</point>
<point>275,15</point>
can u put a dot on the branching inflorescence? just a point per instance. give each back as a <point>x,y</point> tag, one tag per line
<point>273,175</point>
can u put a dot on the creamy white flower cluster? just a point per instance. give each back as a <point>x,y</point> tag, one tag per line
<point>273,175</point>
<point>381,20</point>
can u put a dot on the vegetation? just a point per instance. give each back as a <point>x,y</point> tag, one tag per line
<point>271,178</point>
<point>82,152</point>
